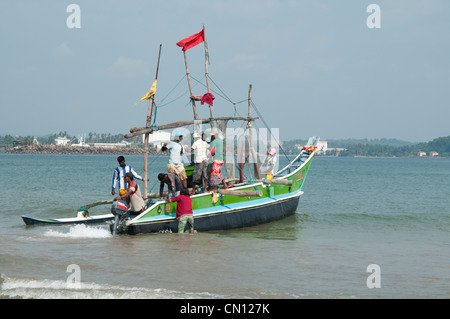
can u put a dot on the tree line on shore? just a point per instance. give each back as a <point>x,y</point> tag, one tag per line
<point>381,147</point>
<point>353,147</point>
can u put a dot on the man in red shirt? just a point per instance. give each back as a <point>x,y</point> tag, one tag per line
<point>184,214</point>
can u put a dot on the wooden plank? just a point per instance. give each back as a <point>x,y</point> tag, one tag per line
<point>244,193</point>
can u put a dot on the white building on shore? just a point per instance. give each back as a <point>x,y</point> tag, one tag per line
<point>111,145</point>
<point>64,141</point>
<point>322,147</point>
<point>81,142</point>
<point>158,138</point>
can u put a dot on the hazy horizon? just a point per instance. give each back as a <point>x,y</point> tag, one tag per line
<point>284,140</point>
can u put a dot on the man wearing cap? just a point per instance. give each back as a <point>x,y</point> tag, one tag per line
<point>200,176</point>
<point>119,174</point>
<point>133,195</point>
<point>175,166</point>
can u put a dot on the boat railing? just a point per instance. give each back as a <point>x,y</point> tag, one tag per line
<point>298,161</point>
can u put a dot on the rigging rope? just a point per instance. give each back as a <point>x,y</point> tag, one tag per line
<point>270,131</point>
<point>223,95</point>
<point>167,95</point>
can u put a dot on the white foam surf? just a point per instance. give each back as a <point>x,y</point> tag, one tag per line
<point>29,288</point>
<point>80,231</point>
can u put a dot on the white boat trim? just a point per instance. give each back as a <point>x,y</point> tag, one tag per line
<point>75,219</point>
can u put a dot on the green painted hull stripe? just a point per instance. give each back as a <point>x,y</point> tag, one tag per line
<point>220,208</point>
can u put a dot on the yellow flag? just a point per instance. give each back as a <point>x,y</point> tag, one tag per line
<point>150,93</point>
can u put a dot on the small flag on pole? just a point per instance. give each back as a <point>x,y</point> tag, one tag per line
<point>192,41</point>
<point>150,93</point>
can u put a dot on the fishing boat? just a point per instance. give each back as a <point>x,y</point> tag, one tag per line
<point>247,203</point>
<point>83,217</point>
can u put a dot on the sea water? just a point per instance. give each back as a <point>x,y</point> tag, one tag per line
<point>355,213</point>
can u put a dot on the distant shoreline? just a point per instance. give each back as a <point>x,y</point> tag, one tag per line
<point>59,149</point>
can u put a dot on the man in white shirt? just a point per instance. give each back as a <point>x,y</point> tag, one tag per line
<point>270,160</point>
<point>200,176</point>
<point>175,166</point>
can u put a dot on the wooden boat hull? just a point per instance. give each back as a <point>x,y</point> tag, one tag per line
<point>229,218</point>
<point>65,221</point>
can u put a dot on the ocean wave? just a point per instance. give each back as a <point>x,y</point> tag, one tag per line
<point>29,288</point>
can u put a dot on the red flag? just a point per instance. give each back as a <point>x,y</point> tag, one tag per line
<point>192,41</point>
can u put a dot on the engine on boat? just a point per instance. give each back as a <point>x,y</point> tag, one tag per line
<point>119,208</point>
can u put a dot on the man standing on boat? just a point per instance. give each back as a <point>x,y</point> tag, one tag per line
<point>200,176</point>
<point>133,196</point>
<point>216,176</point>
<point>270,161</point>
<point>119,174</point>
<point>175,166</point>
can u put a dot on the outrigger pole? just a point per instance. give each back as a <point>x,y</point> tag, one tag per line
<point>135,131</point>
<point>148,124</point>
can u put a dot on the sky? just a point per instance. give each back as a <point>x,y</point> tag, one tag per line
<point>316,67</point>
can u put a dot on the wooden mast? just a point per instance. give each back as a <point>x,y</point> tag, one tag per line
<point>207,74</point>
<point>252,149</point>
<point>194,108</point>
<point>147,124</point>
<point>148,129</point>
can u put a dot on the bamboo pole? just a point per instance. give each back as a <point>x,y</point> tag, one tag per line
<point>102,202</point>
<point>244,193</point>
<point>156,195</point>
<point>231,180</point>
<point>147,124</point>
<point>194,108</point>
<point>145,174</point>
<point>207,74</point>
<point>252,149</point>
<point>135,131</point>
<point>277,181</point>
